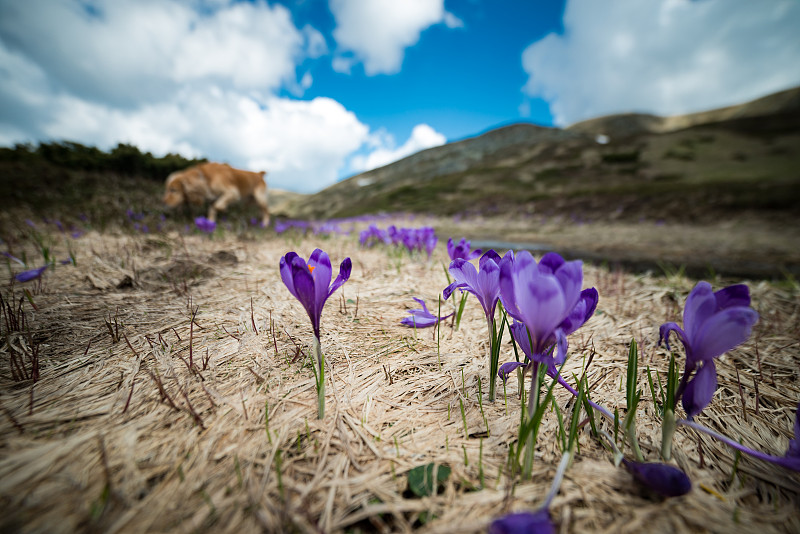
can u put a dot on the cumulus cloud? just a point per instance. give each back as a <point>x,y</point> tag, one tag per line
<point>663,57</point>
<point>378,32</point>
<point>384,152</point>
<point>302,144</point>
<point>126,52</point>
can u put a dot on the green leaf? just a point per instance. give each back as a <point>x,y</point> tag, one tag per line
<point>420,479</point>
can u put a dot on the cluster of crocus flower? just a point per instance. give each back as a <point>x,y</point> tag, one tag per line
<point>205,225</point>
<point>372,236</point>
<point>310,283</point>
<point>413,239</point>
<point>282,226</point>
<point>461,250</point>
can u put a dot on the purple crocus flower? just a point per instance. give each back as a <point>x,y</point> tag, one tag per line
<point>483,282</point>
<point>422,318</point>
<point>461,250</point>
<point>311,283</point>
<point>547,302</point>
<point>713,323</point>
<point>205,225</point>
<point>664,479</point>
<point>523,523</point>
<point>27,276</point>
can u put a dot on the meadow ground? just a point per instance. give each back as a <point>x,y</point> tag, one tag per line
<point>174,395</point>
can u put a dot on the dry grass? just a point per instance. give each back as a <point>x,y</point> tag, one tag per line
<point>172,399</point>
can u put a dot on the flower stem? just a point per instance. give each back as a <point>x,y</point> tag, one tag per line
<point>320,376</point>
<point>596,406</point>
<point>492,360</point>
<point>780,460</point>
<point>533,403</point>
<point>667,431</point>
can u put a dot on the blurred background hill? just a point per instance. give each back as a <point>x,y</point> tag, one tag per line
<point>695,166</point>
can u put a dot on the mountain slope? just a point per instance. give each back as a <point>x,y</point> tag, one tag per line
<point>739,157</point>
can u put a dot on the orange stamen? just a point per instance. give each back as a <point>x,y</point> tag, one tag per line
<point>311,269</point>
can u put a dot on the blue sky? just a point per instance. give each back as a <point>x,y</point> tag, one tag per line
<point>314,91</point>
<point>460,81</point>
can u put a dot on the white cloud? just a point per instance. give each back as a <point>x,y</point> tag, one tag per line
<point>664,57</point>
<point>301,144</point>
<point>379,31</point>
<point>127,52</point>
<point>384,152</point>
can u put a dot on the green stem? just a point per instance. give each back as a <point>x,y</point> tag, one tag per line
<point>530,441</point>
<point>667,430</point>
<point>320,376</point>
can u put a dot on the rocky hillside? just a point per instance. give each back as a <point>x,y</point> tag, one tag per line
<point>692,166</point>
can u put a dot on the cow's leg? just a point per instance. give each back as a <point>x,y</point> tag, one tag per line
<point>261,197</point>
<point>229,196</point>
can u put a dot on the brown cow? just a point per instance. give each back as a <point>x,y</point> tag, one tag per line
<point>218,183</point>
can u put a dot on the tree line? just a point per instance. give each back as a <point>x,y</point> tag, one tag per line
<point>123,159</point>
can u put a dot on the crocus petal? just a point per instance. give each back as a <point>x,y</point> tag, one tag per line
<point>700,389</point>
<point>421,318</point>
<point>507,287</point>
<point>664,331</point>
<point>520,333</point>
<point>286,272</point>
<point>489,255</point>
<point>570,276</point>
<point>561,347</point>
<point>732,296</point>
<point>722,332</point>
<point>700,305</point>
<point>523,523</point>
<point>303,283</point>
<point>419,321</point>
<point>488,287</point>
<point>464,273</point>
<point>541,306</point>
<point>345,268</point>
<point>27,276</point>
<point>449,290</point>
<point>323,272</point>
<point>507,368</point>
<point>421,303</point>
<point>582,312</point>
<point>550,263</point>
<point>664,479</point>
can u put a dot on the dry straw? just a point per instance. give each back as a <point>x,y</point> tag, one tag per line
<point>199,413</point>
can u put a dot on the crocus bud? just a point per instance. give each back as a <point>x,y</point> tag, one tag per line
<point>663,479</point>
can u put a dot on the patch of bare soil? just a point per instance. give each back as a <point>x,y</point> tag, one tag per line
<point>174,395</point>
<point>749,246</point>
